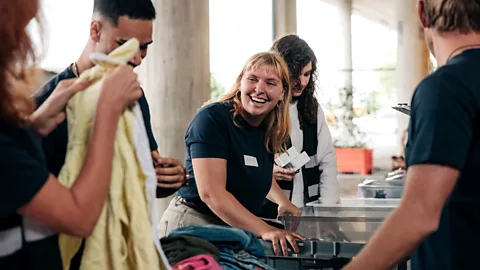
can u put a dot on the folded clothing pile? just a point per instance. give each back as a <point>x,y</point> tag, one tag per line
<point>238,249</point>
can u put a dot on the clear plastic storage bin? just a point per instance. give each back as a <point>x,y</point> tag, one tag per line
<point>338,223</point>
<point>380,189</point>
<point>366,202</point>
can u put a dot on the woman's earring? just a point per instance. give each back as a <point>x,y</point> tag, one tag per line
<point>280,104</point>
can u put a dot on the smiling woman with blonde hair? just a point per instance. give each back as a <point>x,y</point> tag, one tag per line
<point>277,120</point>
<point>230,152</point>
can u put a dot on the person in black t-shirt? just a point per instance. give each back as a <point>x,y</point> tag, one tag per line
<point>34,206</point>
<point>438,218</point>
<point>230,151</point>
<point>114,22</point>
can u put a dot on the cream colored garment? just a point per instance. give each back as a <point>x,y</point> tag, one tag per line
<point>142,145</point>
<point>122,238</point>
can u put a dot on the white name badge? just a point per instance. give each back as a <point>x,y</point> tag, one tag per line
<point>250,161</point>
<point>313,190</point>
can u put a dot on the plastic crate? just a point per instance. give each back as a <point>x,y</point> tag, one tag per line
<point>338,223</point>
<point>292,263</point>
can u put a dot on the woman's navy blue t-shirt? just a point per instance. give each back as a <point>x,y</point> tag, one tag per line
<point>24,243</point>
<point>213,134</point>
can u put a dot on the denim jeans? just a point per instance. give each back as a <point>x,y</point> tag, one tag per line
<point>241,260</point>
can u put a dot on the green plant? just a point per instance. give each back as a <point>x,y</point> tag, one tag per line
<point>372,102</point>
<point>216,89</point>
<point>349,136</point>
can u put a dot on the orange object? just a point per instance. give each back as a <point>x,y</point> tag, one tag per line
<point>354,160</point>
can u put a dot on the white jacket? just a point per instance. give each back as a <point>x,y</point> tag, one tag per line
<point>326,158</point>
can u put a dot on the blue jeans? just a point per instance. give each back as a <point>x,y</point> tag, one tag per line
<point>241,260</point>
<point>224,237</point>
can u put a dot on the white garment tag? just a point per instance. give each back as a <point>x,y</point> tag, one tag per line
<point>285,158</point>
<point>313,190</point>
<point>250,161</point>
<point>312,163</point>
<point>300,160</point>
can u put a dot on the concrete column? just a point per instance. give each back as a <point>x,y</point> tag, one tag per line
<point>346,28</point>
<point>346,68</point>
<point>413,58</point>
<point>284,17</point>
<point>176,73</point>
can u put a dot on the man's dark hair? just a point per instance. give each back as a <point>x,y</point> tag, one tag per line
<point>133,9</point>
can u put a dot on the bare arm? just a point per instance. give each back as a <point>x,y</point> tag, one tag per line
<point>76,210</point>
<point>276,194</point>
<point>428,187</point>
<point>52,112</point>
<point>211,175</point>
<point>285,206</point>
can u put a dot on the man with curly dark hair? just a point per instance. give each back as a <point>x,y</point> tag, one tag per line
<point>317,180</point>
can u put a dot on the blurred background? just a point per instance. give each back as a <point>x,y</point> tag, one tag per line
<point>371,55</point>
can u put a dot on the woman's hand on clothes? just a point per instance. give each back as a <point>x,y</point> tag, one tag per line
<point>52,112</point>
<point>289,209</point>
<point>281,174</point>
<point>120,89</point>
<point>170,172</point>
<point>277,236</point>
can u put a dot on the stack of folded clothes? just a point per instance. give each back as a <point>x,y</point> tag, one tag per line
<point>232,248</point>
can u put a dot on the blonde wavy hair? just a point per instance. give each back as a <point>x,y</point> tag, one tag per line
<point>278,120</point>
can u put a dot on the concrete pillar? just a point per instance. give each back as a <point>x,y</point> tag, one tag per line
<point>346,29</point>
<point>176,73</point>
<point>284,17</point>
<point>413,58</point>
<point>346,68</point>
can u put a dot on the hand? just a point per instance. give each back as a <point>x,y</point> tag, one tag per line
<point>331,232</point>
<point>120,89</point>
<point>52,112</point>
<point>170,172</point>
<point>281,236</point>
<point>289,209</point>
<point>280,173</point>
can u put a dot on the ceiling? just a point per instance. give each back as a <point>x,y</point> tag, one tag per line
<point>381,11</point>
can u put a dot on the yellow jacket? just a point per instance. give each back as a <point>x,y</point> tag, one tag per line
<point>122,238</point>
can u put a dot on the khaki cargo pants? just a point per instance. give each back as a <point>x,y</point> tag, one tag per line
<point>179,215</point>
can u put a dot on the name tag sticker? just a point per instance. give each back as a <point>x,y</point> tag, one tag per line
<point>250,161</point>
<point>313,190</point>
